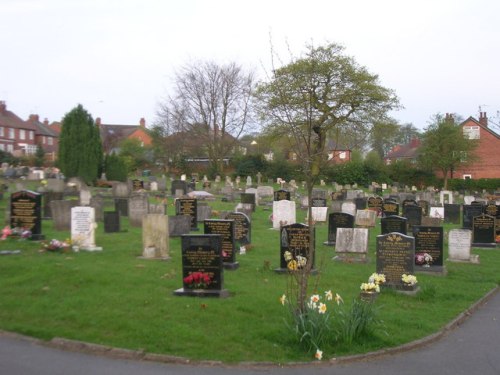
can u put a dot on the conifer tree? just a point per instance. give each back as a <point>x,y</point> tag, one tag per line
<point>80,148</point>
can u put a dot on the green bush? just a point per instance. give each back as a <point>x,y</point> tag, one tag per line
<point>115,167</point>
<point>489,184</point>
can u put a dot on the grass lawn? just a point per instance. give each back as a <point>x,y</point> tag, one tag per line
<point>114,298</point>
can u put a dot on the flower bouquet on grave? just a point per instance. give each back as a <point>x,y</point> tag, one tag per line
<point>197,280</point>
<point>409,281</point>
<point>55,245</point>
<point>20,233</point>
<point>423,259</point>
<point>294,263</point>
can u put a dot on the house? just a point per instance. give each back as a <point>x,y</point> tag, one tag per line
<point>337,154</point>
<point>408,152</point>
<point>112,135</point>
<point>45,137</point>
<point>16,135</point>
<point>487,151</point>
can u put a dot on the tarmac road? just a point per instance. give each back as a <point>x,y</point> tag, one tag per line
<point>473,347</point>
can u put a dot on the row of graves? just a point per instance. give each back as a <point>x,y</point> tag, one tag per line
<point>411,233</point>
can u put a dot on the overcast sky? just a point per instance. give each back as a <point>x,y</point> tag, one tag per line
<point>117,58</point>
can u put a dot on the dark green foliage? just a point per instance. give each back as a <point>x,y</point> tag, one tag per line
<point>80,147</point>
<point>6,157</point>
<point>39,156</point>
<point>249,165</point>
<point>115,168</point>
<point>282,168</point>
<point>489,184</point>
<point>409,174</point>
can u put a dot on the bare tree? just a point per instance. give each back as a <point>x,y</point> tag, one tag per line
<point>212,103</point>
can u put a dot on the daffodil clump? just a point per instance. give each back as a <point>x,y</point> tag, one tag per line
<point>312,326</point>
<point>409,279</point>
<point>370,287</point>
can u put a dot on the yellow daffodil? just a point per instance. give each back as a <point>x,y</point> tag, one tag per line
<point>292,265</point>
<point>315,298</point>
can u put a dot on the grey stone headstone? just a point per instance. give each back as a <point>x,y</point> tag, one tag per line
<point>138,207</point>
<point>179,225</point>
<point>155,236</point>
<point>459,244</point>
<point>61,214</point>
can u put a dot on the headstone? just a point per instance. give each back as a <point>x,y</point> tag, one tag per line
<point>26,212</point>
<point>85,196</point>
<point>48,197</point>
<point>179,225</point>
<point>111,222</point>
<point>319,193</point>
<point>61,214</point>
<point>375,204</point>
<point>280,195</point>
<point>468,199</point>
<point>247,198</point>
<point>294,247</point>
<point>242,227</point>
<point>138,207</point>
<point>97,203</point>
<point>245,208</point>
<point>393,223</point>
<point>157,209</point>
<point>249,181</point>
<point>352,244</point>
<point>446,196</point>
<point>428,240</point>
<point>437,212</point>
<point>137,185</point>
<point>431,221</point>
<point>483,231</point>
<point>154,186</point>
<point>318,202</point>
<point>203,212</point>
<point>155,239</point>
<point>425,205</point>
<point>319,214</point>
<point>121,206</point>
<point>360,203</point>
<point>414,214</point>
<point>55,185</point>
<point>468,213</point>
<point>284,213</point>
<point>188,207</point>
<point>349,208</point>
<point>365,218</point>
<point>459,245</point>
<point>120,190</point>
<point>265,191</point>
<point>395,257</point>
<point>390,208</point>
<point>225,228</point>
<point>338,220</point>
<point>83,227</point>
<point>202,270</point>
<point>452,213</point>
<point>179,188</point>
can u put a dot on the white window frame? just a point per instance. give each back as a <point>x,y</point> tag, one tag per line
<point>2,131</point>
<point>12,133</point>
<point>22,134</point>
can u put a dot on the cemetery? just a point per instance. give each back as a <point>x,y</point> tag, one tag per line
<point>166,272</point>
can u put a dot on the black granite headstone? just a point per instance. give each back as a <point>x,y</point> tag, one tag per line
<point>26,212</point>
<point>294,247</point>
<point>413,213</point>
<point>281,195</point>
<point>179,185</point>
<point>375,203</point>
<point>395,257</point>
<point>360,203</point>
<point>242,227</point>
<point>469,212</point>
<point>202,269</point>
<point>393,223</point>
<point>338,220</point>
<point>225,228</point>
<point>452,213</point>
<point>248,198</point>
<point>121,206</point>
<point>111,221</point>
<point>187,206</point>
<point>483,231</point>
<point>390,208</point>
<point>428,240</point>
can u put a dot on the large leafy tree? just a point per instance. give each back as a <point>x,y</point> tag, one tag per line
<point>80,148</point>
<point>211,103</point>
<point>444,147</point>
<point>322,91</point>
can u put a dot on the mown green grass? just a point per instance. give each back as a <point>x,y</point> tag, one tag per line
<point>114,298</point>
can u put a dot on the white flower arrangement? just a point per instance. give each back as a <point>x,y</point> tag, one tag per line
<point>370,287</point>
<point>409,279</point>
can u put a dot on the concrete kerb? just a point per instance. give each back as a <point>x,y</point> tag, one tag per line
<point>119,353</point>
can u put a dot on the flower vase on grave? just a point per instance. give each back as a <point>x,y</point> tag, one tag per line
<point>368,296</point>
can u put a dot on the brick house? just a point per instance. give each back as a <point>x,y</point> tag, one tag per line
<point>112,135</point>
<point>487,152</point>
<point>17,136</point>
<point>408,152</point>
<point>46,137</point>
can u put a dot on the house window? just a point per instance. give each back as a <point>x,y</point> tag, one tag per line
<point>2,147</point>
<point>342,154</point>
<point>22,134</point>
<point>50,141</point>
<point>471,132</point>
<point>32,134</point>
<point>1,131</point>
<point>11,133</point>
<point>467,176</point>
<point>10,148</point>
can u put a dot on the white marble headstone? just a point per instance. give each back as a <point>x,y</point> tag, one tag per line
<point>284,213</point>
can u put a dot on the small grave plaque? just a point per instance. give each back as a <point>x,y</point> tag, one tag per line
<point>294,247</point>
<point>395,257</point>
<point>111,221</point>
<point>226,230</point>
<point>338,220</point>
<point>202,270</point>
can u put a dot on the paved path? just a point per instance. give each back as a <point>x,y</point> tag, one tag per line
<point>471,348</point>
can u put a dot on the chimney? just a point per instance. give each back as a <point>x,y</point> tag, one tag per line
<point>142,122</point>
<point>3,106</point>
<point>98,121</point>
<point>46,121</point>
<point>34,118</point>
<point>483,120</point>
